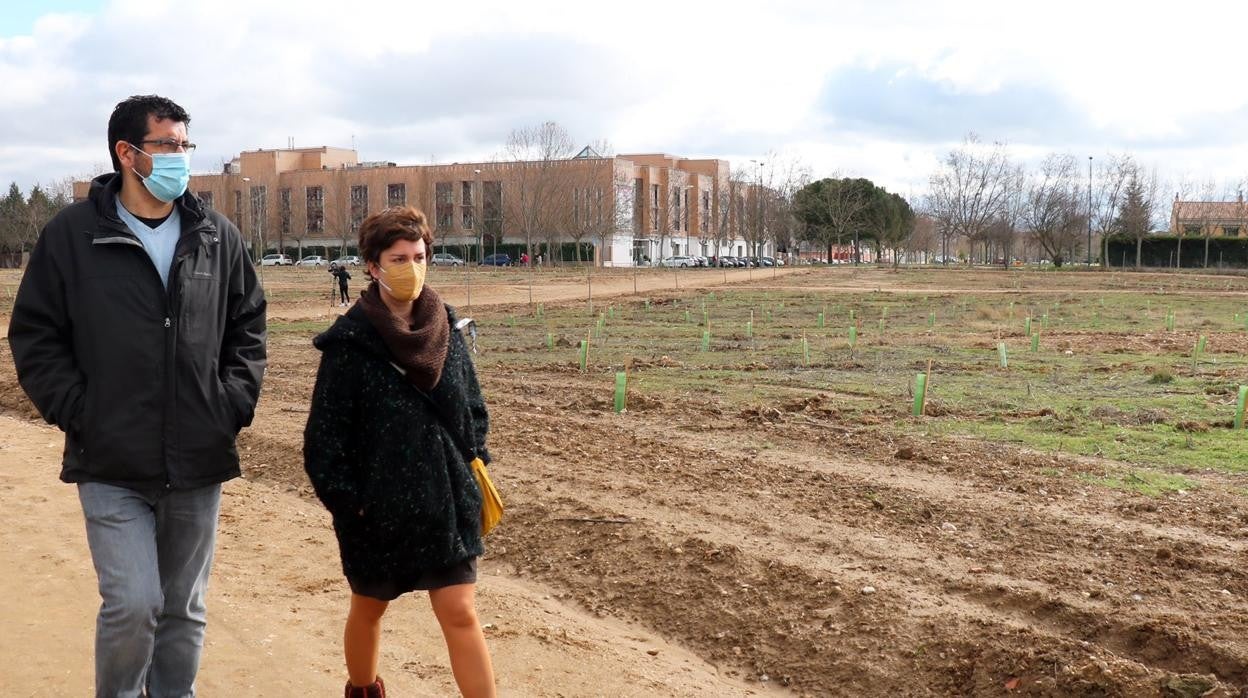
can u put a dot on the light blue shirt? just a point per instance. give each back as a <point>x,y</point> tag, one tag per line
<point>159,242</point>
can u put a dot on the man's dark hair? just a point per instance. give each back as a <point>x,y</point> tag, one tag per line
<point>129,120</point>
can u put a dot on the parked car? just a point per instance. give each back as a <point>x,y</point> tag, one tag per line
<point>312,260</point>
<point>446,258</point>
<point>727,261</point>
<point>276,260</point>
<point>497,260</point>
<point>348,261</point>
<point>702,261</point>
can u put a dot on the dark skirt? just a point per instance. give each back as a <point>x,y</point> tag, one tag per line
<point>390,589</point>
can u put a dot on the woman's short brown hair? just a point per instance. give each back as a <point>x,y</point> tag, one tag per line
<point>382,229</point>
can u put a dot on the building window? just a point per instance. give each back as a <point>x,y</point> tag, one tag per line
<point>466,205</point>
<point>206,198</point>
<point>675,209</point>
<point>259,207</point>
<point>492,207</point>
<point>684,222</point>
<point>359,206</point>
<point>316,209</point>
<point>704,226</point>
<point>1191,230</point>
<point>1231,231</point>
<point>444,205</point>
<point>283,211</point>
<point>654,207</point>
<point>396,194</point>
<point>238,208</point>
<point>639,195</point>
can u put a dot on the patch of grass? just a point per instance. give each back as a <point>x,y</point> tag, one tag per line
<point>1108,380</point>
<point>1146,482</point>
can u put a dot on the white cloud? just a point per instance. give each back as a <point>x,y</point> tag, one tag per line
<point>708,79</point>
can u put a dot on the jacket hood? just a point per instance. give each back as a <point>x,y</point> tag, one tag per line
<point>106,187</point>
<point>352,327</point>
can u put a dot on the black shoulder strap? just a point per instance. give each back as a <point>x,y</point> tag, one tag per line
<point>446,423</point>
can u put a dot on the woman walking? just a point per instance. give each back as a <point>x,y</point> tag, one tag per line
<point>395,396</point>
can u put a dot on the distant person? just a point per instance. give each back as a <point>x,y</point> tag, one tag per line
<point>395,396</point>
<point>139,330</point>
<point>524,259</point>
<point>340,272</point>
<point>539,259</point>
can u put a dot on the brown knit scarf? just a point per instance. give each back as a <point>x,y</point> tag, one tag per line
<point>420,347</point>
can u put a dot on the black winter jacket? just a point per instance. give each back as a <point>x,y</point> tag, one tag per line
<point>149,385</point>
<point>402,495</point>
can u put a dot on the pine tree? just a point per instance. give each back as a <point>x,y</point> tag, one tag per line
<point>12,220</point>
<point>1135,215</point>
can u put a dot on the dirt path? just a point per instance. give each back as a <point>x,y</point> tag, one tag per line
<point>483,289</point>
<point>277,601</point>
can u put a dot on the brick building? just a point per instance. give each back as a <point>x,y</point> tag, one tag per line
<point>620,210</point>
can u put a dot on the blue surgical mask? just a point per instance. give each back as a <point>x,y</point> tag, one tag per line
<point>171,172</point>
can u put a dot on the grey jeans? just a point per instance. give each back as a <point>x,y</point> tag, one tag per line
<point>152,555</point>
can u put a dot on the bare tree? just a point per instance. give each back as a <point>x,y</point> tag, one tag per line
<point>1212,213</point>
<point>618,213</point>
<point>969,190</point>
<point>39,210</point>
<point>1052,206</point>
<point>1003,232</point>
<point>1185,188</point>
<point>782,177</point>
<point>346,206</point>
<point>924,240</point>
<point>536,182</point>
<point>1109,187</point>
<point>730,209</point>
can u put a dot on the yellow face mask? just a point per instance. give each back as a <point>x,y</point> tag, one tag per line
<point>403,281</point>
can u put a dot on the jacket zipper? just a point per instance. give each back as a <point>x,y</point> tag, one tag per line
<point>181,252</point>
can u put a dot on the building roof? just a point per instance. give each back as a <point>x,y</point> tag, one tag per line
<point>1209,210</point>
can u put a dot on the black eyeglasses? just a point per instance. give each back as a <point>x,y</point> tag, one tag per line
<point>186,146</point>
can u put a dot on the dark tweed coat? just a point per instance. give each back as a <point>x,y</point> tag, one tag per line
<point>402,495</point>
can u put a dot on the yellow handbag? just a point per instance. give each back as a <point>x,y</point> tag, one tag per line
<point>491,503</point>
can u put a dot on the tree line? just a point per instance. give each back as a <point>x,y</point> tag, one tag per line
<point>981,195</point>
<point>22,216</point>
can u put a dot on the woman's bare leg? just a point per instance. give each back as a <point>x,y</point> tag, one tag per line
<point>456,611</point>
<point>361,641</point>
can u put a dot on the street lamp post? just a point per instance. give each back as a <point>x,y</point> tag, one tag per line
<point>1089,211</point>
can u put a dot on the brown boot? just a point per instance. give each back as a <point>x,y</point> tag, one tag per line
<point>376,689</point>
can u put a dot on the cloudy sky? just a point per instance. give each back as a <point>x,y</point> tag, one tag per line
<point>879,88</point>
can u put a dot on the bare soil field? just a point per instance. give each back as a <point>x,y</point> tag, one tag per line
<point>760,519</point>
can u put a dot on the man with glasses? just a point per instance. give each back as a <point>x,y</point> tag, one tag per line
<point>139,330</point>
